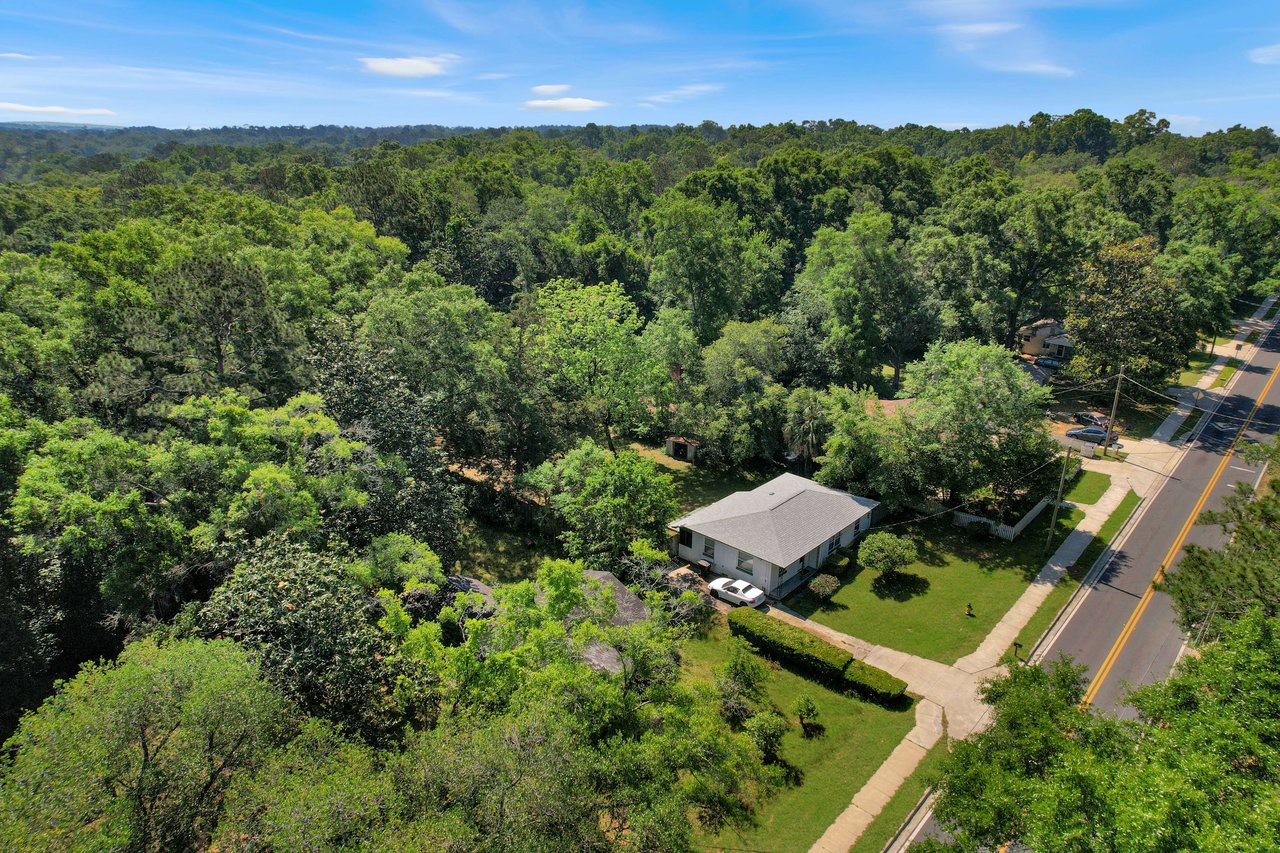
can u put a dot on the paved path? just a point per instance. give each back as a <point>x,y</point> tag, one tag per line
<point>948,692</point>
<point>987,656</point>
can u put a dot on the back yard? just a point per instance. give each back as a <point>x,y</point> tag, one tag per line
<point>831,767</point>
<point>697,485</point>
<point>921,610</point>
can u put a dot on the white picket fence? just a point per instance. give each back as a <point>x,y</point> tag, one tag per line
<point>1004,531</point>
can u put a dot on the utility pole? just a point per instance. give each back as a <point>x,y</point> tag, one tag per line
<point>1053,522</point>
<point>1111,421</point>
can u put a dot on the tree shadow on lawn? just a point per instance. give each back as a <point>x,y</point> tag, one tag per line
<point>899,586</point>
<point>1025,555</point>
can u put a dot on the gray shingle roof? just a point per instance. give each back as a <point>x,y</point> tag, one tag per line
<point>780,521</point>
<point>630,607</point>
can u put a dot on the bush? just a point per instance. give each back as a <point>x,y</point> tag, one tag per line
<point>805,708</point>
<point>827,663</point>
<point>766,731</point>
<point>788,643</point>
<point>824,586</point>
<point>872,683</point>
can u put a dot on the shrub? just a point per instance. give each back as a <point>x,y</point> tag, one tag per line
<point>766,730</point>
<point>827,663</point>
<point>885,553</point>
<point>805,708</point>
<point>872,683</point>
<point>824,586</point>
<point>786,642</point>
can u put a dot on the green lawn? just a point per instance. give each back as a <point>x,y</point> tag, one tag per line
<point>497,555</point>
<point>1088,488</point>
<point>1048,611</point>
<point>1228,369</point>
<point>696,485</point>
<point>922,611</point>
<point>895,812</point>
<point>831,767</point>
<point>1197,364</point>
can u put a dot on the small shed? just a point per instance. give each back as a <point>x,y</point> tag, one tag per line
<point>684,449</point>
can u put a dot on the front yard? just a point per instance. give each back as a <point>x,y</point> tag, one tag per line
<point>831,767</point>
<point>921,611</point>
<point>1088,488</point>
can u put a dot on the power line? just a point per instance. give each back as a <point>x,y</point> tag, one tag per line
<point>1214,412</point>
<point>958,506</point>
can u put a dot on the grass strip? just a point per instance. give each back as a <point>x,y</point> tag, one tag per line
<point>1228,369</point>
<point>1189,425</point>
<point>1057,599</point>
<point>1088,488</point>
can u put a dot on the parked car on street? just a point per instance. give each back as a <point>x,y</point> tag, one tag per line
<point>1091,418</point>
<point>1093,435</point>
<point>737,592</point>
<point>1049,362</point>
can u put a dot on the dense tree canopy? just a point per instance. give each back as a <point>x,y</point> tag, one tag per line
<point>271,399</point>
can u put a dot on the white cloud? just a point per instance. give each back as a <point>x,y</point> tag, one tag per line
<point>409,66</point>
<point>684,93</point>
<point>494,75</point>
<point>59,111</point>
<point>1044,69</point>
<point>1268,55</point>
<point>16,56</point>
<point>980,28</point>
<point>566,105</point>
<point>440,94</point>
<point>551,89</point>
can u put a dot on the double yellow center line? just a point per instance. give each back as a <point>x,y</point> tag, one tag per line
<point>1110,660</point>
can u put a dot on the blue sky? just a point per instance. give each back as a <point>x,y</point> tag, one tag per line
<point>951,63</point>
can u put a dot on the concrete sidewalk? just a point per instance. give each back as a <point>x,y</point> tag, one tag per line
<point>880,788</point>
<point>949,692</point>
<point>997,642</point>
<point>1197,396</point>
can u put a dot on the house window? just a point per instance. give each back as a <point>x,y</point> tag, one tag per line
<point>832,544</point>
<point>708,547</point>
<point>745,564</point>
<point>686,537</point>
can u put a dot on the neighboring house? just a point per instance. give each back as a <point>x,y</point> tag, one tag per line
<point>629,609</point>
<point>1045,337</point>
<point>775,535</point>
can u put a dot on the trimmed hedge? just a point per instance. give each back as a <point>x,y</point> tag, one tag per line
<point>827,663</point>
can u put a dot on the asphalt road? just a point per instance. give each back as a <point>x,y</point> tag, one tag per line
<point>1122,629</point>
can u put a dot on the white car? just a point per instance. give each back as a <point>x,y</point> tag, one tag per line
<point>737,592</point>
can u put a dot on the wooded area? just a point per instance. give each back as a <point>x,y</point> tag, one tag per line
<point>257,385</point>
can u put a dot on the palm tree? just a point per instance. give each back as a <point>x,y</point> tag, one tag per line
<point>806,425</point>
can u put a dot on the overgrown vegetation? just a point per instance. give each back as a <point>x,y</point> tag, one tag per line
<point>266,393</point>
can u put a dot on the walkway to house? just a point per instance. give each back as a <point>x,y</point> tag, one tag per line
<point>952,691</point>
